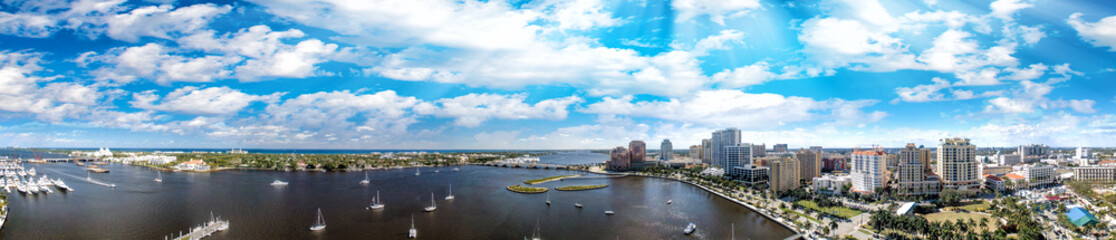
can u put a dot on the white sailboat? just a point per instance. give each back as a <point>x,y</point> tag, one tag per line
<point>377,203</point>
<point>548,198</point>
<point>416,171</point>
<point>433,206</point>
<point>413,233</point>
<point>536,236</point>
<point>320,224</point>
<point>450,197</point>
<point>159,178</point>
<point>365,181</point>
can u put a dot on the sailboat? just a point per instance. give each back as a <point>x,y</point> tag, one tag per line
<point>548,198</point>
<point>365,181</point>
<point>535,236</point>
<point>450,197</point>
<point>160,177</point>
<point>433,206</point>
<point>320,224</point>
<point>376,203</point>
<point>416,172</point>
<point>413,233</point>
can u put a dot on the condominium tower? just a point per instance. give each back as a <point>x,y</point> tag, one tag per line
<point>867,170</point>
<point>957,165</point>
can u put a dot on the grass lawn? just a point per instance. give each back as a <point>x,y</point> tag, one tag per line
<point>973,207</point>
<point>547,179</point>
<point>953,216</point>
<point>800,214</point>
<point>842,212</point>
<point>522,189</point>
<point>580,187</point>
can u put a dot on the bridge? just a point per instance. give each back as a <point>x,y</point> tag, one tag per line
<point>531,165</point>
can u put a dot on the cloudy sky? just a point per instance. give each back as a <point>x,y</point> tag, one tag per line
<point>519,74</point>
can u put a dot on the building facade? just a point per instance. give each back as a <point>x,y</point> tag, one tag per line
<point>957,165</point>
<point>830,184</point>
<point>759,150</point>
<point>867,170</point>
<point>911,172</point>
<point>1038,175</point>
<point>1033,152</point>
<point>695,152</point>
<point>780,148</point>
<point>706,151</point>
<point>638,151</point>
<point>738,155</point>
<point>666,150</point>
<point>619,159</point>
<point>1096,173</point>
<point>722,138</point>
<point>784,172</point>
<point>809,163</point>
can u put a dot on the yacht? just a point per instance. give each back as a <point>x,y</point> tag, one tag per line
<point>609,212</point>
<point>32,187</point>
<point>31,172</point>
<point>159,178</point>
<point>44,185</point>
<point>320,224</point>
<point>437,171</point>
<point>433,206</point>
<point>62,185</point>
<point>365,181</point>
<point>21,188</point>
<point>578,205</point>
<point>377,203</point>
<point>413,233</point>
<point>278,183</point>
<point>689,229</point>
<point>669,201</point>
<point>450,197</point>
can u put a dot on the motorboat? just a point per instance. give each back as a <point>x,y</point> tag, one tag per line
<point>609,212</point>
<point>578,205</point>
<point>689,229</point>
<point>278,183</point>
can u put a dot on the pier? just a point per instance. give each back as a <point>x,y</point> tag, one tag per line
<point>209,228</point>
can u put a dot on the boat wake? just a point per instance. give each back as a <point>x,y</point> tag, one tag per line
<point>87,179</point>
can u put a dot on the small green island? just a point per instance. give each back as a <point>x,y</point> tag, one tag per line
<point>580,187</point>
<point>548,179</point>
<point>522,189</point>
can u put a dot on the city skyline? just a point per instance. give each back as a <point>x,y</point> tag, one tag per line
<point>584,74</point>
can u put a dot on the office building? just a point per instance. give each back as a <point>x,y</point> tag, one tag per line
<point>784,172</point>
<point>867,170</point>
<point>830,184</point>
<point>809,163</point>
<point>722,138</point>
<point>780,148</point>
<point>737,156</point>
<point>1038,175</point>
<point>1095,173</point>
<point>817,149</point>
<point>695,152</point>
<point>666,150</point>
<point>752,174</point>
<point>638,151</point>
<point>957,165</point>
<point>1033,152</point>
<point>619,159</point>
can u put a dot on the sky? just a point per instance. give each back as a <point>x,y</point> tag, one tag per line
<point>554,74</point>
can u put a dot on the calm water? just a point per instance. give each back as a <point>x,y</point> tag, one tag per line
<point>573,158</point>
<point>140,208</point>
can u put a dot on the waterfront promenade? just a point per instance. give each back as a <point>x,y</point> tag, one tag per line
<point>199,232</point>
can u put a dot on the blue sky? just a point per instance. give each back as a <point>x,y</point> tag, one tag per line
<point>430,74</point>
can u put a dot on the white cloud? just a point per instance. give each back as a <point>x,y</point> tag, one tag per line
<point>720,41</point>
<point>750,75</point>
<point>1004,9</point>
<point>194,100</point>
<point>161,21</point>
<point>473,109</point>
<point>737,109</point>
<point>22,95</point>
<point>40,19</point>
<point>717,10</point>
<point>266,54</point>
<point>1100,34</point>
<point>154,61</point>
<point>923,93</point>
<point>1030,73</point>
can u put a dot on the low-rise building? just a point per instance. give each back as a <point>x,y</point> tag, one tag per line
<point>830,184</point>
<point>752,173</point>
<point>192,165</point>
<point>1038,175</point>
<point>1095,173</point>
<point>992,182</point>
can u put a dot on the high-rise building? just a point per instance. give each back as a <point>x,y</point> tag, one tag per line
<point>780,148</point>
<point>867,170</point>
<point>738,155</point>
<point>619,159</point>
<point>809,163</point>
<point>666,150</point>
<point>759,150</point>
<point>911,172</point>
<point>638,151</point>
<point>695,152</point>
<point>957,165</point>
<point>1038,175</point>
<point>722,138</point>
<point>706,151</point>
<point>1084,153</point>
<point>784,172</point>
<point>1033,152</point>
<point>817,149</point>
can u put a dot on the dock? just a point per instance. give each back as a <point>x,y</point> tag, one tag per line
<point>214,225</point>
